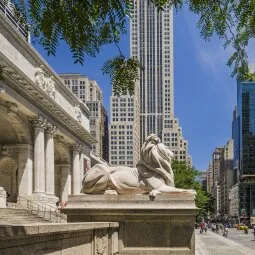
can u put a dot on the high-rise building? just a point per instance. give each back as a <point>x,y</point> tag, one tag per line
<point>105,135</point>
<point>236,141</point>
<point>209,181</point>
<point>244,149</point>
<point>215,188</point>
<point>91,94</point>
<point>151,42</point>
<point>246,115</point>
<point>226,178</point>
<point>216,164</point>
<point>124,142</point>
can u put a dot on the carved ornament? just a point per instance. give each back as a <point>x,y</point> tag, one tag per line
<point>45,83</point>
<point>78,113</point>
<point>76,147</point>
<point>39,122</point>
<point>101,242</point>
<point>50,129</point>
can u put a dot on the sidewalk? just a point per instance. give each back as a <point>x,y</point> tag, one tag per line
<point>214,244</point>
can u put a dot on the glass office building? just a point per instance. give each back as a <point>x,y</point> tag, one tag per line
<point>243,129</point>
<point>246,114</point>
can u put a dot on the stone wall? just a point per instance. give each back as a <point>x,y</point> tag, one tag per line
<point>56,239</point>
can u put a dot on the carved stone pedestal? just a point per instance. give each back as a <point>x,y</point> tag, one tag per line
<point>163,226</point>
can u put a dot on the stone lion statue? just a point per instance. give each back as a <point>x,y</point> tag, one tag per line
<point>153,174</point>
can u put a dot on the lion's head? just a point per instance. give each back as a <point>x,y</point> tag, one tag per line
<point>157,157</point>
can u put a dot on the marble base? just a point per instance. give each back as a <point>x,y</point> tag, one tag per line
<point>163,226</point>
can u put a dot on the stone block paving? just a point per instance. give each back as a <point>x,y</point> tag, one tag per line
<point>215,244</point>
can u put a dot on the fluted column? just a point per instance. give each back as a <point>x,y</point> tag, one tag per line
<point>76,169</point>
<point>39,124</point>
<point>49,159</point>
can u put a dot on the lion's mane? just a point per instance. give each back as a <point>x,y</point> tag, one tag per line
<point>157,157</point>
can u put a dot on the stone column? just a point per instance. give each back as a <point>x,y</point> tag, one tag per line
<point>39,160</point>
<point>49,159</point>
<point>65,182</point>
<point>76,169</point>
<point>25,170</point>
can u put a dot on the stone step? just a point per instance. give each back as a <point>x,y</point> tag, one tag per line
<point>4,223</point>
<point>20,216</point>
<point>12,210</point>
<point>10,216</point>
<point>14,213</point>
<point>22,219</point>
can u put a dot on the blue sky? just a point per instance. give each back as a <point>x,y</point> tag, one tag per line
<point>205,94</point>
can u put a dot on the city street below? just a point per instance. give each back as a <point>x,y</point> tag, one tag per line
<point>237,243</point>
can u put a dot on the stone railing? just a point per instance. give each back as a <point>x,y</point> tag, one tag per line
<point>67,238</point>
<point>9,14</point>
<point>43,210</point>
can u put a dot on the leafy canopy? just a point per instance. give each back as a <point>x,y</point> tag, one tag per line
<point>87,25</point>
<point>185,177</point>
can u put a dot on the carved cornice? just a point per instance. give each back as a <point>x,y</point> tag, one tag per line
<point>33,92</point>
<point>23,82</point>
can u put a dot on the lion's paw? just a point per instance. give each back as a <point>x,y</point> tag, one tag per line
<point>153,194</point>
<point>110,192</point>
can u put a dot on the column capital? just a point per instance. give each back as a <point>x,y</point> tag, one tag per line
<point>50,129</point>
<point>39,122</point>
<point>76,147</point>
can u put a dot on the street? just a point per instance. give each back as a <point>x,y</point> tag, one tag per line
<point>237,243</point>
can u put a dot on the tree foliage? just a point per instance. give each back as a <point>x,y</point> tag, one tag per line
<point>87,25</point>
<point>122,71</point>
<point>185,177</point>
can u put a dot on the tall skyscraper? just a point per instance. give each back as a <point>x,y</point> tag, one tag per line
<point>151,42</point>
<point>216,164</point>
<point>209,177</point>
<point>215,189</point>
<point>91,94</point>
<point>244,150</point>
<point>226,177</point>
